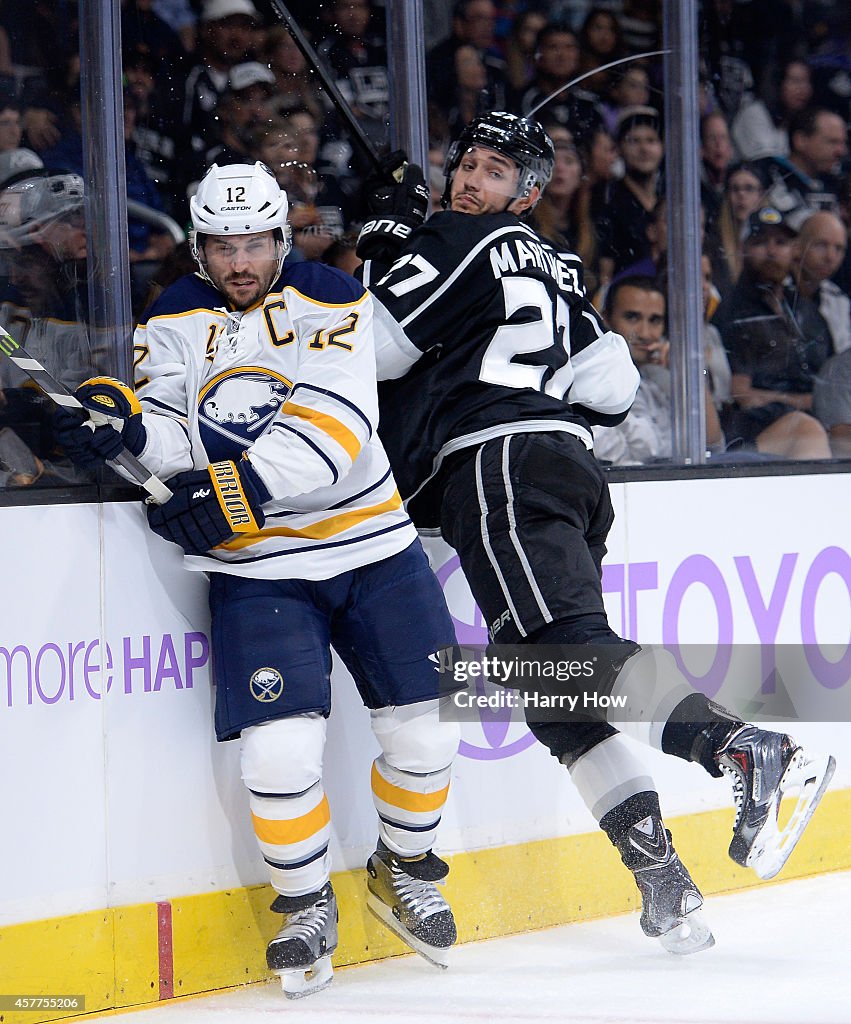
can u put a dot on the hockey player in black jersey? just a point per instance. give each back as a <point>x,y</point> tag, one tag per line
<point>485,415</point>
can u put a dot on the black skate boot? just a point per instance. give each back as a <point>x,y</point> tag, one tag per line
<point>301,951</point>
<point>402,895</point>
<point>670,899</point>
<point>763,766</point>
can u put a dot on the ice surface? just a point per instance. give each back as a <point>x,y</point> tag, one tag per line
<point>781,957</point>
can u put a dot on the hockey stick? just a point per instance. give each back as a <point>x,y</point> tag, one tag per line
<point>328,83</point>
<point>588,74</point>
<point>59,394</point>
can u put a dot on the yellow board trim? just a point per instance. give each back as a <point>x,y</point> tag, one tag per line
<point>219,938</point>
<point>405,798</point>
<point>328,425</point>
<point>292,830</point>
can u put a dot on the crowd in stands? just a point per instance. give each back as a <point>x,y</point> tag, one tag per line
<point>222,80</point>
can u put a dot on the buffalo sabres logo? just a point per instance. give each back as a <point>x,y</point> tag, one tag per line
<point>266,685</point>
<point>236,407</point>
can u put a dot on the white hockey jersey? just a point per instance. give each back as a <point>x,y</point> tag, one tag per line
<point>291,380</point>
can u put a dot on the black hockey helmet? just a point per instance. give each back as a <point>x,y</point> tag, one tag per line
<point>519,138</point>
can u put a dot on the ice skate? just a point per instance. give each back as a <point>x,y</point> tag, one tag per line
<point>670,899</point>
<point>764,766</point>
<point>403,896</point>
<point>300,954</point>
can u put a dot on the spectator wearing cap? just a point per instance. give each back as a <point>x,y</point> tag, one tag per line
<point>227,38</point>
<point>624,207</point>
<point>556,63</point>
<point>16,164</point>
<point>776,341</point>
<point>242,107</point>
<point>43,234</point>
<point>808,180</point>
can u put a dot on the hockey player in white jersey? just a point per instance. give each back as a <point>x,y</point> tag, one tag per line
<point>256,399</point>
<point>502,366</point>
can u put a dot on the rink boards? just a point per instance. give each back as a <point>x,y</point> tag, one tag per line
<point>128,870</point>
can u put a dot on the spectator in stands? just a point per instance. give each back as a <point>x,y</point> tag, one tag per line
<point>319,209</point>
<point>776,342</point>
<point>556,63</point>
<point>635,308</point>
<point>716,156</point>
<point>357,58</point>
<point>11,126</point>
<point>623,208</point>
<point>43,234</point>
<point>241,108</point>
<point>143,30</point>
<point>341,253</point>
<point>563,213</point>
<point>743,193</point>
<point>822,244</point>
<point>832,402</point>
<point>226,39</point>
<point>15,163</point>
<point>180,16</point>
<point>808,180</point>
<point>629,87</point>
<point>654,262</point>
<point>600,159</point>
<point>471,80</point>
<point>520,49</point>
<point>147,244</point>
<point>472,24</point>
<point>295,83</point>
<point>759,130</point>
<point>156,130</point>
<point>600,42</point>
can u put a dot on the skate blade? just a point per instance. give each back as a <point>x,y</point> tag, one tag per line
<point>298,982</point>
<point>772,846</point>
<point>691,935</point>
<point>436,956</point>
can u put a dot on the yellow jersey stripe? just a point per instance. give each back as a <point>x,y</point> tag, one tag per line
<point>404,798</point>
<point>328,425</point>
<point>293,830</point>
<point>317,531</point>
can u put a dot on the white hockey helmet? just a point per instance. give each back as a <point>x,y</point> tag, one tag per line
<point>239,199</point>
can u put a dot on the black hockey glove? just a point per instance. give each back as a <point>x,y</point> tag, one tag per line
<point>210,506</point>
<point>397,199</point>
<point>112,421</point>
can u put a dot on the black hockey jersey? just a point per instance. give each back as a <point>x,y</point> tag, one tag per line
<point>498,338</point>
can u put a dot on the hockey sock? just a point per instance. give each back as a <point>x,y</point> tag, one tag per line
<point>409,806</point>
<point>617,823</point>
<point>697,729</point>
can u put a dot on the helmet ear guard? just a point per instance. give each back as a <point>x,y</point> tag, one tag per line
<point>520,139</point>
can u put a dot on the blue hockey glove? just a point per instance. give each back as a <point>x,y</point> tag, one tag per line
<point>210,506</point>
<point>88,440</point>
<point>397,199</point>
